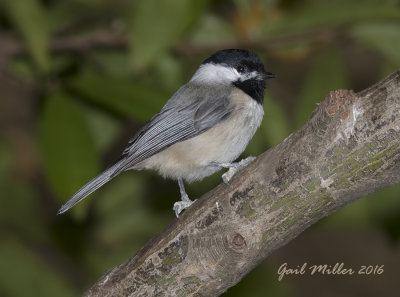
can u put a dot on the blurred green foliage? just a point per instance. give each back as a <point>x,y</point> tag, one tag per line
<point>29,18</point>
<point>153,31</point>
<point>80,77</point>
<point>62,122</point>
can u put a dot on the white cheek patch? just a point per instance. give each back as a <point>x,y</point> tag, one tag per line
<point>212,73</point>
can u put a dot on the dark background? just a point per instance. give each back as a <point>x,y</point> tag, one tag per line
<point>79,77</point>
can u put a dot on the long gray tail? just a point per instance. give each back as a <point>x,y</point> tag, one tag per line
<point>92,186</point>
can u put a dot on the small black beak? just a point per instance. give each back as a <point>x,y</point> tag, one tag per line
<point>268,75</point>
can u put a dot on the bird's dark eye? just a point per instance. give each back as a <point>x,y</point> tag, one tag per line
<point>240,69</point>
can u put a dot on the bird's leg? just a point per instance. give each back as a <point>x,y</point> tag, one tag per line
<point>234,167</point>
<point>185,201</point>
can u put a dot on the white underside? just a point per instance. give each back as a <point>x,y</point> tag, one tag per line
<point>192,159</point>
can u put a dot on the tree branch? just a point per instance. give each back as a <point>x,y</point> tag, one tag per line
<point>348,148</point>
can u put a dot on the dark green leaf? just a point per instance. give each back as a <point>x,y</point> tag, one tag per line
<point>103,127</point>
<point>69,155</point>
<point>120,95</point>
<point>157,25</point>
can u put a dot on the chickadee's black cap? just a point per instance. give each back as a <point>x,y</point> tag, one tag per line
<point>232,57</point>
<point>236,57</point>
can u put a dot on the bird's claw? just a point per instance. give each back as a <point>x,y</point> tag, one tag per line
<point>227,176</point>
<point>179,206</point>
<point>185,201</point>
<point>235,167</point>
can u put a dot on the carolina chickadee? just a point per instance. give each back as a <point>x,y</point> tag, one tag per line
<point>202,128</point>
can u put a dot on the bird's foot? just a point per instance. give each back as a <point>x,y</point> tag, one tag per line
<point>179,206</point>
<point>235,167</point>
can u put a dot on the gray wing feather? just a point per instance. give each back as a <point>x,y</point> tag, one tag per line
<point>184,116</point>
<point>176,123</point>
<point>211,113</point>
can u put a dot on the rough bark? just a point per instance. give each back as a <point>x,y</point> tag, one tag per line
<point>348,148</point>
